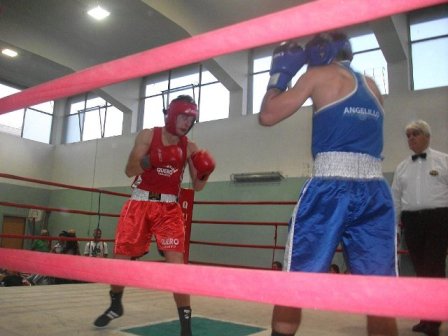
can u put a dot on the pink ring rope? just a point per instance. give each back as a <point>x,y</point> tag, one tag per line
<point>299,21</point>
<point>398,297</point>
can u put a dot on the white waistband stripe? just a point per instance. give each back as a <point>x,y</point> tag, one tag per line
<point>347,165</point>
<point>144,195</point>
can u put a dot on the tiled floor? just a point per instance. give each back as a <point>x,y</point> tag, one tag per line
<point>70,310</point>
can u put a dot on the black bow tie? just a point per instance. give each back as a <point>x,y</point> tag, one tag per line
<point>421,155</point>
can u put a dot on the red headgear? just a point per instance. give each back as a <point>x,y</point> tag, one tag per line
<point>180,105</point>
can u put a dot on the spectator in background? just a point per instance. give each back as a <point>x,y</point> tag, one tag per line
<point>334,269</point>
<point>95,247</point>
<point>60,244</point>
<point>40,244</point>
<point>71,246</point>
<point>10,278</point>
<point>67,246</point>
<point>277,266</point>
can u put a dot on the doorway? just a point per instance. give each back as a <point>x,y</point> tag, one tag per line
<point>16,226</point>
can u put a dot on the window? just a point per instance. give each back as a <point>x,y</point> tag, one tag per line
<point>212,97</point>
<point>429,47</point>
<point>92,118</point>
<point>33,123</point>
<point>368,59</point>
<point>10,122</point>
<point>260,78</point>
<point>37,122</point>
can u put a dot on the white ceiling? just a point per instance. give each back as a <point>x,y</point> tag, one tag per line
<point>57,37</point>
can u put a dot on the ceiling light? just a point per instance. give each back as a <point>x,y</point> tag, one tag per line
<point>98,13</point>
<point>9,52</point>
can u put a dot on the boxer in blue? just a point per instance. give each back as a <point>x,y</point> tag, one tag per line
<point>347,200</point>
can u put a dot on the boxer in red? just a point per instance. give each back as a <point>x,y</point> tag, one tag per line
<point>157,161</point>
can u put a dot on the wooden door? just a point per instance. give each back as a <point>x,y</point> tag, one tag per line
<point>13,225</point>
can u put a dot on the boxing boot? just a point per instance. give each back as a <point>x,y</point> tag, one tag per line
<point>114,311</point>
<point>185,320</point>
<point>274,333</point>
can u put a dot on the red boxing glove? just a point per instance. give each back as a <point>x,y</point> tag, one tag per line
<point>167,156</point>
<point>204,164</point>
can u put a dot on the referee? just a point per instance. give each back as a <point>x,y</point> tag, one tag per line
<point>420,191</point>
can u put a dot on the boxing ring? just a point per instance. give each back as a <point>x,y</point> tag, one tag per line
<point>385,296</point>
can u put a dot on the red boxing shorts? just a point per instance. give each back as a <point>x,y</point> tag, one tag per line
<point>140,220</point>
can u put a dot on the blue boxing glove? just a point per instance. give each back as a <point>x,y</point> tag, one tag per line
<point>287,60</point>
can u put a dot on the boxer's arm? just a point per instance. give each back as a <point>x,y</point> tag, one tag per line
<point>138,152</point>
<point>204,164</point>
<point>278,105</point>
<point>198,184</point>
<point>287,59</point>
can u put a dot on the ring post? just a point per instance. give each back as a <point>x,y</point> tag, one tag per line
<point>186,200</point>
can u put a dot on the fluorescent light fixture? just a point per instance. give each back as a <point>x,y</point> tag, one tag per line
<point>98,13</point>
<point>9,52</point>
<point>257,177</point>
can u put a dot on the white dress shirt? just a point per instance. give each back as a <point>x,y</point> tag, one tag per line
<point>100,247</point>
<point>421,184</point>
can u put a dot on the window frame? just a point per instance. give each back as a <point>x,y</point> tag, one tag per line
<point>27,113</point>
<point>168,94</point>
<point>82,119</point>
<point>418,17</point>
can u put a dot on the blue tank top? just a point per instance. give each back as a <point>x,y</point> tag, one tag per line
<point>351,124</point>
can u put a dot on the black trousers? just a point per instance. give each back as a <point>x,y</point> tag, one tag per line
<point>426,237</point>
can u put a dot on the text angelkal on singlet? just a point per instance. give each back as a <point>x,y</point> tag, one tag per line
<point>362,112</point>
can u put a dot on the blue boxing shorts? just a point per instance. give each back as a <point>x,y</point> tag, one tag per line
<point>357,213</point>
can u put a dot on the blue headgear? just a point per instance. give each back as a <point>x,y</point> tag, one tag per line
<point>324,48</point>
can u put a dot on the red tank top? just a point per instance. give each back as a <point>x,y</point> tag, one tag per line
<point>165,179</point>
